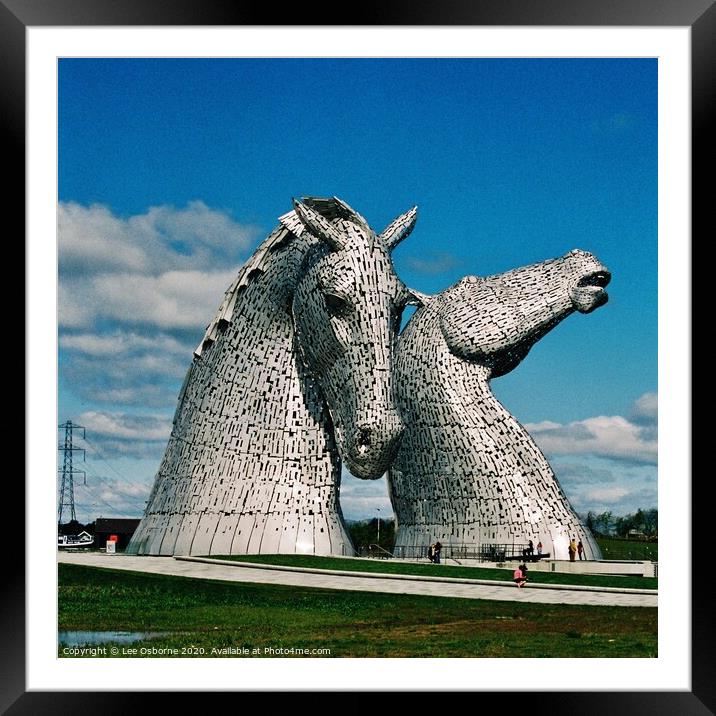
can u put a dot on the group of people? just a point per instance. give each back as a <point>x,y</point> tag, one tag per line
<point>520,574</point>
<point>434,552</point>
<point>576,549</point>
<point>529,550</point>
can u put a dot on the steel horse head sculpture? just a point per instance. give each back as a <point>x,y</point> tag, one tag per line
<point>467,472</point>
<point>293,374</point>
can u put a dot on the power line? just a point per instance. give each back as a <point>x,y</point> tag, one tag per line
<point>114,486</point>
<point>97,452</point>
<point>132,499</point>
<point>67,492</point>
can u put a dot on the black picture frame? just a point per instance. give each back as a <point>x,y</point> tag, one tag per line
<point>699,15</point>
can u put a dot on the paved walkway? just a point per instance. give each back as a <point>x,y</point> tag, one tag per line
<point>467,589</point>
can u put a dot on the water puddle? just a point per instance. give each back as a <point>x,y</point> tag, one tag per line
<point>89,638</point>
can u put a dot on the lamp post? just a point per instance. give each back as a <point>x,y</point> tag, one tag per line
<point>378,508</point>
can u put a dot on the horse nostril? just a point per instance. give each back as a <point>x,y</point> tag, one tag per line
<point>363,440</point>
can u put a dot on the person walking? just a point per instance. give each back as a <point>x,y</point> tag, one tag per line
<point>572,550</point>
<point>539,548</point>
<point>580,550</point>
<point>436,552</point>
<point>431,552</point>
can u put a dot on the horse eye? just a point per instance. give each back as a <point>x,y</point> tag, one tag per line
<point>397,317</point>
<point>335,304</point>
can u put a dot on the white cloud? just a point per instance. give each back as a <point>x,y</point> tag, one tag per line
<point>136,293</point>
<point>171,300</point>
<point>108,497</point>
<point>93,240</point>
<point>603,483</point>
<point>646,408</point>
<point>361,499</point>
<point>434,263</point>
<point>125,367</point>
<point>125,426</point>
<point>609,436</point>
<point>167,267</point>
<point>608,495</point>
<point>119,342</point>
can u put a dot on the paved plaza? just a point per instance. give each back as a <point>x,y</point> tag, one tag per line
<point>394,584</point>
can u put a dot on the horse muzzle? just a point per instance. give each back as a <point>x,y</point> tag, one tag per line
<point>372,446</point>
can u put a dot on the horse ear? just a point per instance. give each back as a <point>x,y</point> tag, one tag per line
<point>351,213</point>
<point>399,229</point>
<point>318,226</point>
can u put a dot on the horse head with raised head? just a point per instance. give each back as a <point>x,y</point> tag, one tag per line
<point>496,320</point>
<point>347,308</point>
<point>467,472</point>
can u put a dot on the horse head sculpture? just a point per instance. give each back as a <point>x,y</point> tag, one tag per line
<point>467,473</point>
<point>292,374</point>
<point>347,310</point>
<point>495,321</point>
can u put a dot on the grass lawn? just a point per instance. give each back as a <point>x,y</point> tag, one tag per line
<point>206,615</point>
<point>613,548</point>
<point>444,570</point>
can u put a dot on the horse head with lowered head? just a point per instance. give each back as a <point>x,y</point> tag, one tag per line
<point>347,309</point>
<point>292,376</point>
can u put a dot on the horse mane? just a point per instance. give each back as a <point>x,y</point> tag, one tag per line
<point>289,228</point>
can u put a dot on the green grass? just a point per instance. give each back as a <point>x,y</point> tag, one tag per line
<point>206,615</point>
<point>614,548</point>
<point>445,570</point>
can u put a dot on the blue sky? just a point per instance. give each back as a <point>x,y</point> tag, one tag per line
<point>171,172</point>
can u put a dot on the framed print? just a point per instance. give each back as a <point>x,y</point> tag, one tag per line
<point>160,144</point>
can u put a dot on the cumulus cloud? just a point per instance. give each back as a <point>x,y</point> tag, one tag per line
<point>432,263</point>
<point>135,294</point>
<point>167,267</point>
<point>361,499</point>
<point>171,300</point>
<point>119,342</point>
<point>92,239</point>
<point>610,436</point>
<point>115,434</point>
<point>125,367</point>
<point>646,408</point>
<point>582,473</point>
<point>608,495</point>
<point>603,483</point>
<point>109,497</point>
<point>125,426</point>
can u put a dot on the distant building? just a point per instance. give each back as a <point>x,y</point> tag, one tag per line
<point>122,527</point>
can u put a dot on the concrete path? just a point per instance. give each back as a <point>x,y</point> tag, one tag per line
<point>467,589</point>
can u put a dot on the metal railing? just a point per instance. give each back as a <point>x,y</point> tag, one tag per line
<point>375,551</point>
<point>479,552</point>
<point>456,552</point>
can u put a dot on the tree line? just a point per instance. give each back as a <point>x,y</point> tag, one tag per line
<point>365,533</point>
<point>607,524</point>
<point>73,527</point>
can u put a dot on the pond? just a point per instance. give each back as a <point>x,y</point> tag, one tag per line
<point>89,638</point>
